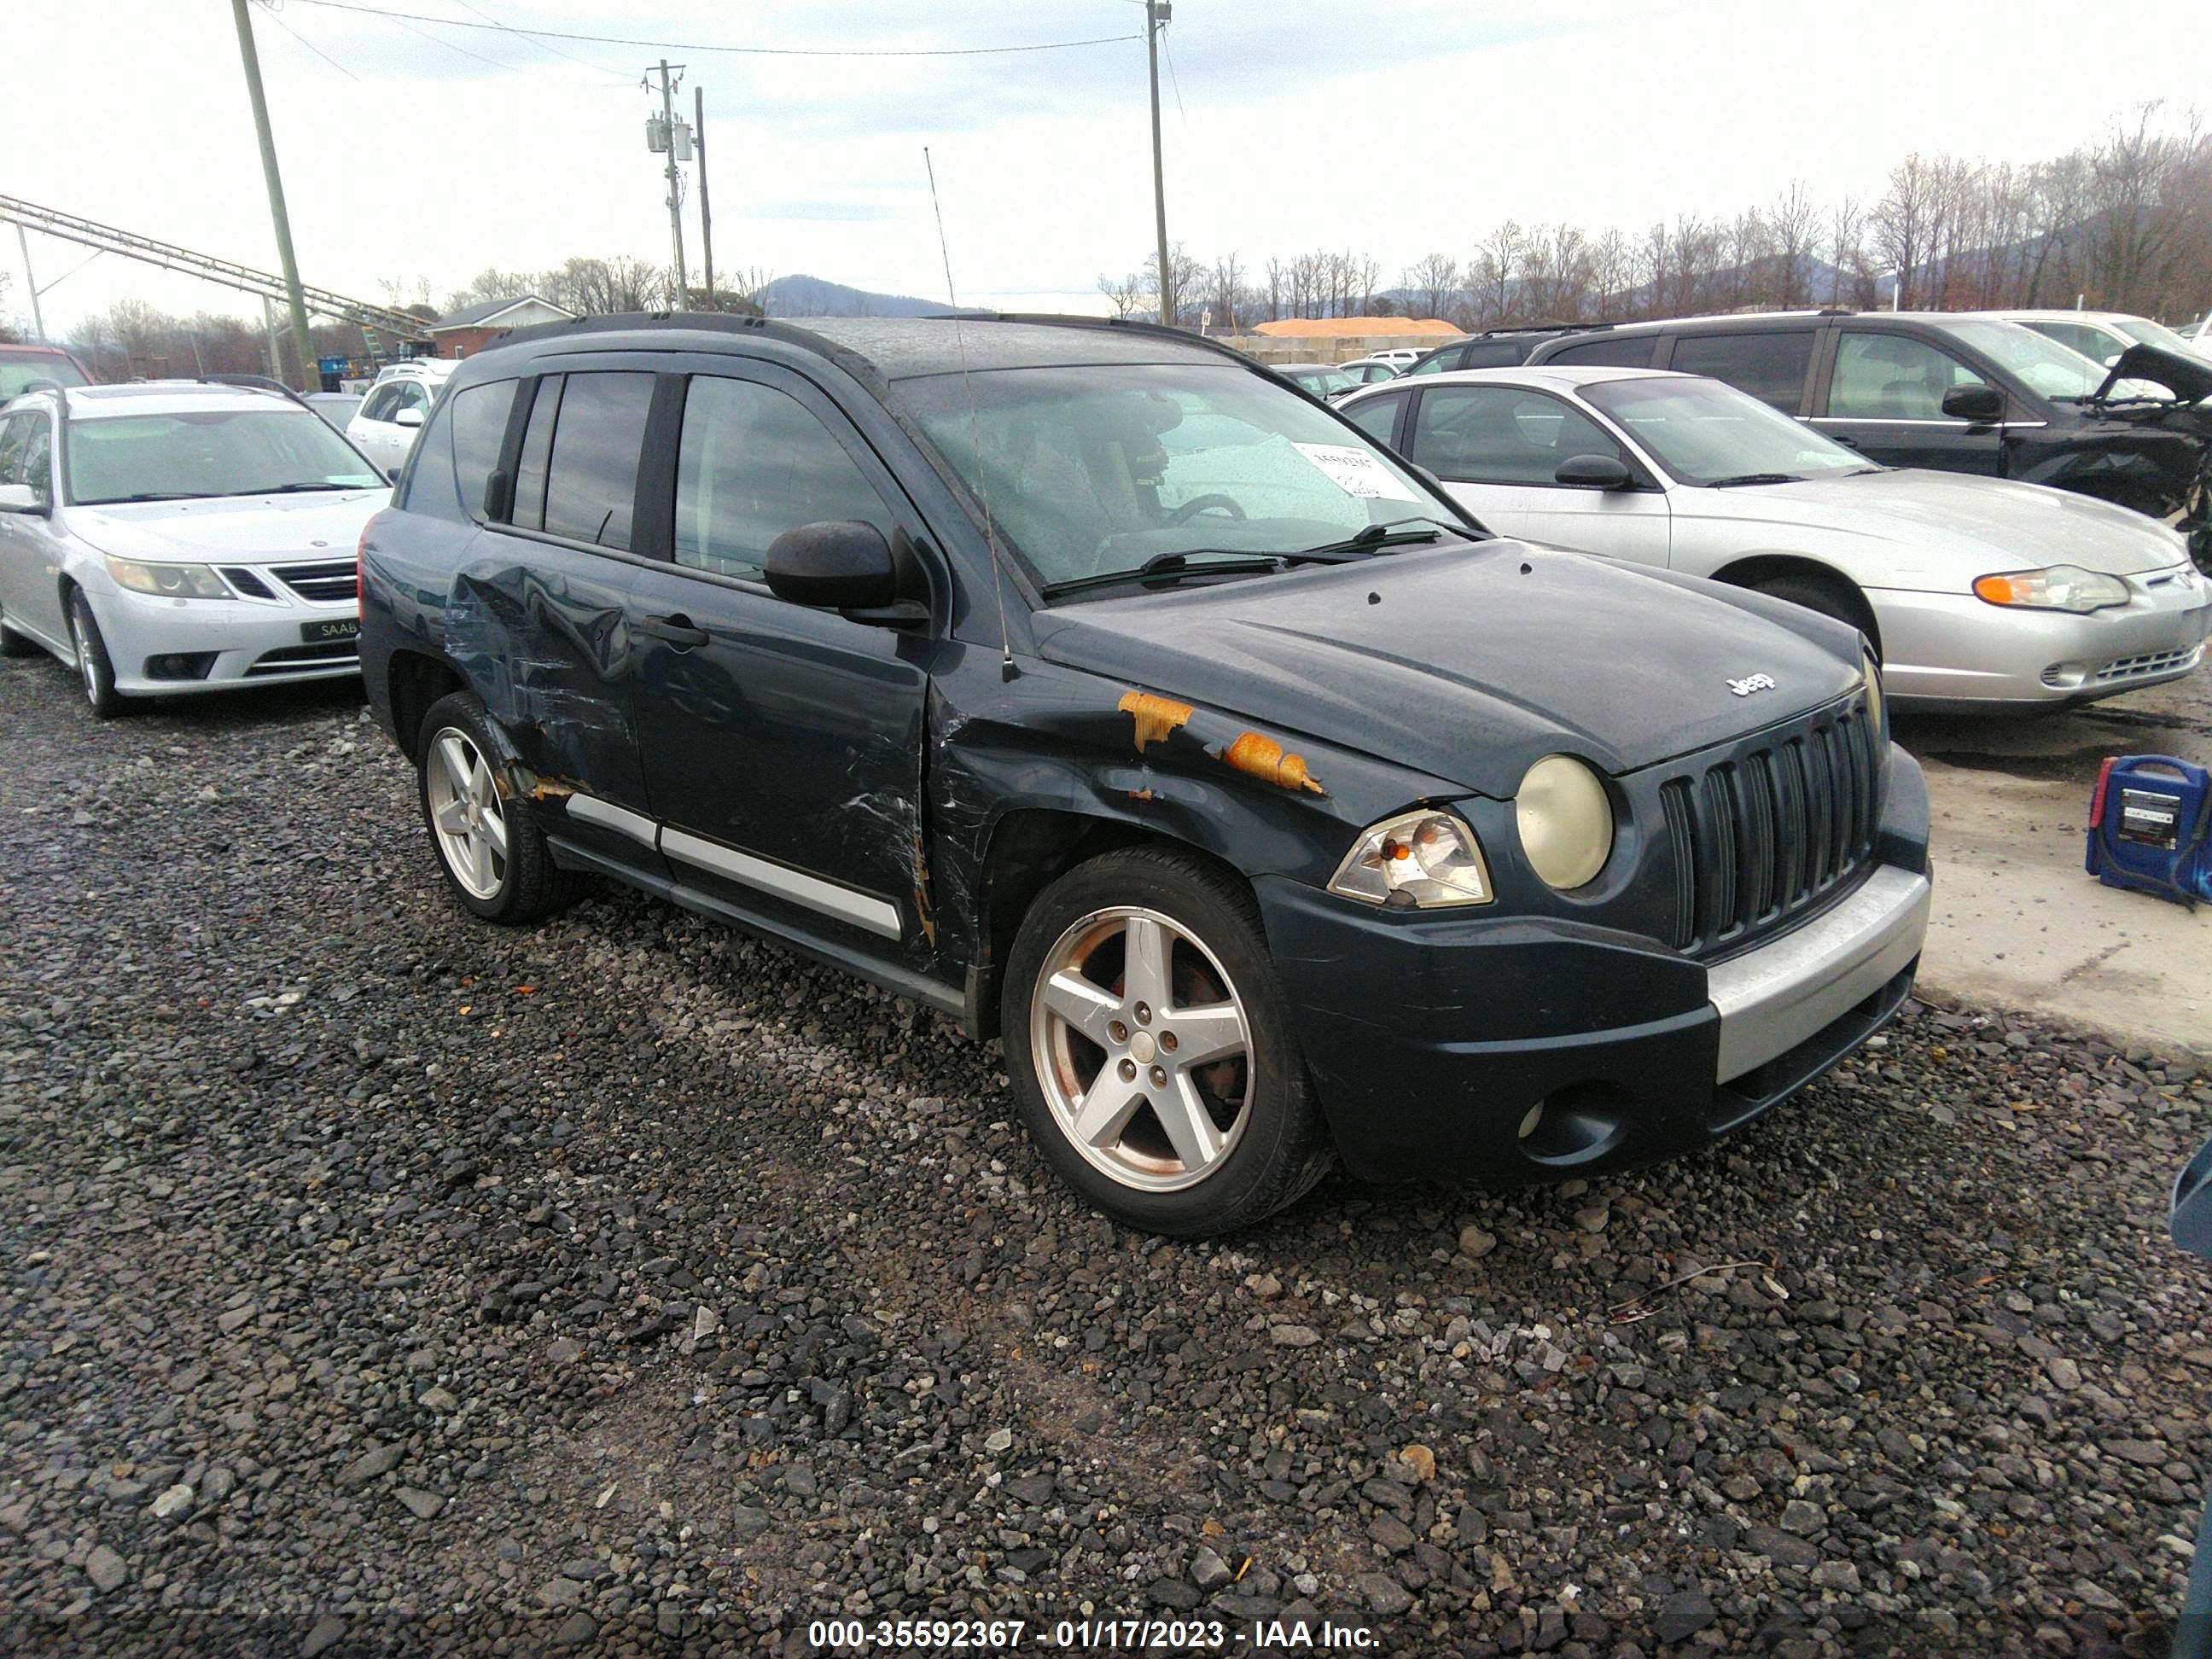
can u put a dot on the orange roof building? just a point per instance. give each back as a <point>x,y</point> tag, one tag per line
<point>1351,327</point>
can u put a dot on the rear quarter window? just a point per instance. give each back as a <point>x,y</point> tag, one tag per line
<point>458,447</point>
<point>1611,351</point>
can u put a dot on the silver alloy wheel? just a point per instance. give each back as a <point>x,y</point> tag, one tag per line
<point>85,669</point>
<point>469,818</point>
<point>1142,1049</point>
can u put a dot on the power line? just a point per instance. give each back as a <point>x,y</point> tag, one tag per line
<point>556,50</point>
<point>749,52</point>
<point>451,23</point>
<point>310,44</point>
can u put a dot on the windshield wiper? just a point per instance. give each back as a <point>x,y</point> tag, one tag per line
<point>1755,478</point>
<point>1163,569</point>
<point>146,495</point>
<point>295,488</point>
<point>1375,538</point>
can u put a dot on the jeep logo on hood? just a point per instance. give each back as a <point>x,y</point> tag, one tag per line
<point>1744,688</point>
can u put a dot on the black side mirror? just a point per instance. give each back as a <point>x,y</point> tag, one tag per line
<point>1973,402</point>
<point>842,565</point>
<point>1595,472</point>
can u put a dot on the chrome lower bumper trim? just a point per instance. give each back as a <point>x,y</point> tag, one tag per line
<point>1774,997</point>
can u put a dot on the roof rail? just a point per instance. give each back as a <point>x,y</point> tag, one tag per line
<point>252,383</point>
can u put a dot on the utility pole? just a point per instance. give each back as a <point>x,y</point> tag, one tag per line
<point>302,343</point>
<point>706,218</point>
<point>31,286</point>
<point>1157,13</point>
<point>675,185</point>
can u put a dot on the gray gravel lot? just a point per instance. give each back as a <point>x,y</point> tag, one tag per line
<point>381,1281</point>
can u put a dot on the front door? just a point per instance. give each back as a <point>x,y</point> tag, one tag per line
<point>1497,448</point>
<point>782,744</point>
<point>1886,400</point>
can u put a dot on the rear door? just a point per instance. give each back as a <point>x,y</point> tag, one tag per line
<point>1774,365</point>
<point>538,617</point>
<point>1497,448</point>
<point>782,744</point>
<point>30,548</point>
<point>1885,398</point>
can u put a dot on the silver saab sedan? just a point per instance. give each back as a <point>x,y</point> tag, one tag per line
<point>1972,590</point>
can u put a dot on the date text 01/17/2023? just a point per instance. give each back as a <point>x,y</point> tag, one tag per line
<point>1085,1635</point>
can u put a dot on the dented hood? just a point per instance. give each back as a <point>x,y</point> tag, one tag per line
<point>1470,663</point>
<point>2189,379</point>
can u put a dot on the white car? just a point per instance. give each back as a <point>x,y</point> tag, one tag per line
<point>1372,371</point>
<point>1399,354</point>
<point>1971,590</point>
<point>171,537</point>
<point>398,402</point>
<point>2099,336</point>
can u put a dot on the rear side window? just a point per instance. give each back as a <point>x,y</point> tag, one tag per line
<point>1608,351</point>
<point>591,487</point>
<point>754,462</point>
<point>1446,359</point>
<point>1770,364</point>
<point>537,457</point>
<point>1494,354</point>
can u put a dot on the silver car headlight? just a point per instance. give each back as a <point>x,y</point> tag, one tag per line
<point>2060,587</point>
<point>1566,820</point>
<point>1425,859</point>
<point>169,581</point>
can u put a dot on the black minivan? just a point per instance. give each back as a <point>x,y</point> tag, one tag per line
<point>1951,391</point>
<point>1088,684</point>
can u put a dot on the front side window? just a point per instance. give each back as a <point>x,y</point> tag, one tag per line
<point>1769,364</point>
<point>1701,432</point>
<point>15,432</point>
<point>1088,472</point>
<point>754,462</point>
<point>383,402</point>
<point>1492,354</point>
<point>1893,377</point>
<point>1436,362</point>
<point>37,465</point>
<point>187,453</point>
<point>2079,337</point>
<point>1502,434</point>
<point>591,487</point>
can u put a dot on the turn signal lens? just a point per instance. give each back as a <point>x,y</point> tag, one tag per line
<point>1566,820</point>
<point>1423,859</point>
<point>168,581</point>
<point>2061,587</point>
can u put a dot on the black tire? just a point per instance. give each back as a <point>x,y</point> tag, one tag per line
<point>1833,597</point>
<point>1277,1146</point>
<point>94,669</point>
<point>516,886</point>
<point>13,644</point>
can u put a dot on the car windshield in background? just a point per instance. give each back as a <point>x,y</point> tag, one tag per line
<point>2047,366</point>
<point>1089,471</point>
<point>2147,332</point>
<point>19,374</point>
<point>198,452</point>
<point>1703,431</point>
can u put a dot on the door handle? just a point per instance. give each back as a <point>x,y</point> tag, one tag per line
<point>677,630</point>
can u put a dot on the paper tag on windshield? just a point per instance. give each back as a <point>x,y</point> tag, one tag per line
<point>1356,472</point>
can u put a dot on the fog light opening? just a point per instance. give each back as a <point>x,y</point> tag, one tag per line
<point>180,666</point>
<point>1576,1124</point>
<point>2065,675</point>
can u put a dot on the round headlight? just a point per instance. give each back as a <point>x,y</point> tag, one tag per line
<point>1565,822</point>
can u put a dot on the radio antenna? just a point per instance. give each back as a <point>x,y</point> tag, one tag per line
<point>1007,669</point>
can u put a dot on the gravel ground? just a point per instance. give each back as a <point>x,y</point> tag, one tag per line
<point>380,1281</point>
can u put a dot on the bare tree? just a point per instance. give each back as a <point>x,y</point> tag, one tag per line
<point>1793,227</point>
<point>1903,221</point>
<point>1434,279</point>
<point>1225,291</point>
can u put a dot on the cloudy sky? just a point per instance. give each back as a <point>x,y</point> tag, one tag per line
<point>415,149</point>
